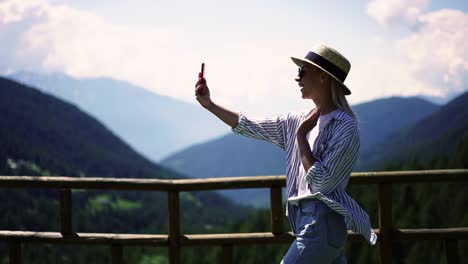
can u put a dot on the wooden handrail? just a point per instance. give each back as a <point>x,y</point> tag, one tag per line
<point>174,240</point>
<point>244,182</point>
<point>431,234</point>
<point>155,240</point>
<point>85,238</point>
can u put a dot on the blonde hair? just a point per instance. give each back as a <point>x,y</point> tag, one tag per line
<point>338,97</point>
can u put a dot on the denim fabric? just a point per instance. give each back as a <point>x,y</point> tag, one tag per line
<point>320,233</point>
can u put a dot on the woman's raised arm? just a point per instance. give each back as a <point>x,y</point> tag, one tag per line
<point>268,129</point>
<point>203,97</point>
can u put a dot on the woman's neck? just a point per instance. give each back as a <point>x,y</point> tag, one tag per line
<point>325,106</point>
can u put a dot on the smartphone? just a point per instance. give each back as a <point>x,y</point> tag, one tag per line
<point>202,72</point>
<point>201,75</point>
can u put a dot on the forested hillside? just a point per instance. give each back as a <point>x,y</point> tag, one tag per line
<point>419,205</point>
<point>149,122</point>
<point>437,133</point>
<point>43,136</point>
<point>235,155</point>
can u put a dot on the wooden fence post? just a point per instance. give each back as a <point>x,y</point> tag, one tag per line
<point>276,205</point>
<point>117,254</point>
<point>174,227</point>
<point>15,252</point>
<point>65,211</point>
<point>227,254</point>
<point>451,251</point>
<point>385,223</point>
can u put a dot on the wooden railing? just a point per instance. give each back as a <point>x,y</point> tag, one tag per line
<point>175,240</point>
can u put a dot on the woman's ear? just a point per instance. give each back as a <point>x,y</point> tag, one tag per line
<point>323,77</point>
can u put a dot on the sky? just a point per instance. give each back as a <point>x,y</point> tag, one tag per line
<point>396,47</point>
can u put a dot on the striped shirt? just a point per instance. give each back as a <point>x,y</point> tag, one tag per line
<point>336,151</point>
<point>304,191</point>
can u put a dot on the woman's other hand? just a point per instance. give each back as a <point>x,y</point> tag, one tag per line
<point>203,93</point>
<point>308,124</point>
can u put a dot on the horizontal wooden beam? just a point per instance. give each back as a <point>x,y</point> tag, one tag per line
<point>84,238</point>
<point>460,233</point>
<point>249,238</point>
<point>141,184</point>
<point>221,183</point>
<point>421,176</point>
<point>154,240</point>
<point>85,183</point>
<point>213,239</point>
<point>236,239</point>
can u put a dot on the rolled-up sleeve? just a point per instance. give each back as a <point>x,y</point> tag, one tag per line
<point>337,160</point>
<point>271,129</point>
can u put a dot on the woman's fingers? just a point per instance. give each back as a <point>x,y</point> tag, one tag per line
<point>200,86</point>
<point>198,90</point>
<point>200,81</point>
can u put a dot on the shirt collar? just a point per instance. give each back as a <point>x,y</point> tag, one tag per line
<point>340,115</point>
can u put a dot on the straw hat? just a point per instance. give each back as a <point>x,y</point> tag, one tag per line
<point>330,61</point>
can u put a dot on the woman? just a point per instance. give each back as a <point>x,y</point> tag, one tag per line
<point>321,147</point>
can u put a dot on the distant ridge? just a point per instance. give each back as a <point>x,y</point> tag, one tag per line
<point>436,134</point>
<point>58,135</point>
<point>382,117</point>
<point>234,155</point>
<point>154,125</point>
<point>41,135</point>
<point>53,137</point>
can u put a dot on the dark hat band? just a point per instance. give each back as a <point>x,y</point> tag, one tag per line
<point>327,65</point>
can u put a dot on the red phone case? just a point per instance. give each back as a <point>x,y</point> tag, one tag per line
<point>202,73</point>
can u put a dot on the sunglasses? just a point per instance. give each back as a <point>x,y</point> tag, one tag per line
<point>301,72</point>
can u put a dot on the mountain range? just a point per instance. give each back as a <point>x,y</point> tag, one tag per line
<point>392,129</point>
<point>41,135</point>
<point>389,129</point>
<point>154,125</point>
<point>377,120</point>
<point>381,118</point>
<point>436,134</point>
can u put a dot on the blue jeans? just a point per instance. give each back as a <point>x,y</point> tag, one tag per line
<point>320,234</point>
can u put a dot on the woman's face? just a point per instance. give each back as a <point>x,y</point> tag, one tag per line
<point>311,80</point>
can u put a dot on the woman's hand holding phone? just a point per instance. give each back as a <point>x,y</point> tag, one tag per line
<point>201,89</point>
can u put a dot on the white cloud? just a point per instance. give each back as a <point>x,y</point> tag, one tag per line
<point>82,44</point>
<point>244,69</point>
<point>13,11</point>
<point>384,76</point>
<point>437,52</point>
<point>396,12</point>
<point>431,59</point>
